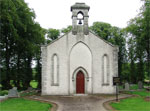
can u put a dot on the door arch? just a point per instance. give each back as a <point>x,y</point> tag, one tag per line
<point>80,83</point>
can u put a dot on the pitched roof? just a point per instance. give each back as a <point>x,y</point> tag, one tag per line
<point>90,32</point>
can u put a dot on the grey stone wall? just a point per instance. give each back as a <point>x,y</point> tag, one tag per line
<point>63,47</point>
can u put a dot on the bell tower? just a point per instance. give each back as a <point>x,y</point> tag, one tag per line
<point>80,18</point>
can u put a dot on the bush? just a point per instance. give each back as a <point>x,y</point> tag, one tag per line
<point>4,92</point>
<point>34,84</point>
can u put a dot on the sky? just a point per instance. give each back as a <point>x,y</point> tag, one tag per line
<point>57,14</point>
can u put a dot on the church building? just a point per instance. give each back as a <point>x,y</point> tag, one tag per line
<point>79,62</point>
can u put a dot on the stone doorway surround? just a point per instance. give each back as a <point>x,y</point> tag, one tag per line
<point>86,79</point>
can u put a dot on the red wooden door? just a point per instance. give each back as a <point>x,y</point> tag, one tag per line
<point>80,82</point>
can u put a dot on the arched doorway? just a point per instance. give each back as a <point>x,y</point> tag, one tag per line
<point>80,83</point>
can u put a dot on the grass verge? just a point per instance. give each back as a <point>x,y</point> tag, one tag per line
<point>140,93</point>
<point>133,104</point>
<point>20,104</point>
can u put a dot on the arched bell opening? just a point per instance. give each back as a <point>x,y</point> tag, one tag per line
<point>80,18</point>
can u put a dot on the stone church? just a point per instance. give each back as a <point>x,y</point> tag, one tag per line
<point>79,62</point>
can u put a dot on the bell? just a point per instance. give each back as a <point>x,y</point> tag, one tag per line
<point>80,22</point>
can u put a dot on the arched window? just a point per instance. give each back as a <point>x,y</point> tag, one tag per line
<point>105,70</point>
<point>55,70</point>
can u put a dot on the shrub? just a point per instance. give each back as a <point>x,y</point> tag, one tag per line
<point>4,92</point>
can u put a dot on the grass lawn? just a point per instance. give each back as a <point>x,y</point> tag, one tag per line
<point>134,87</point>
<point>20,104</point>
<point>28,94</point>
<point>140,93</point>
<point>134,103</point>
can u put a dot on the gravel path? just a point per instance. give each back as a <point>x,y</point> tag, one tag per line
<point>79,103</point>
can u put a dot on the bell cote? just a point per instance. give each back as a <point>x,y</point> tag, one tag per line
<point>80,18</point>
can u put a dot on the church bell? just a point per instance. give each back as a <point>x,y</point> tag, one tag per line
<point>80,21</point>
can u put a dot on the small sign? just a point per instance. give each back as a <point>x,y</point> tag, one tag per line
<point>116,80</point>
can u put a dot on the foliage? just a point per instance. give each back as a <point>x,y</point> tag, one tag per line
<point>20,42</point>
<point>102,29</point>
<point>4,92</point>
<point>66,30</point>
<point>20,104</point>
<point>138,32</point>
<point>52,34</point>
<point>34,84</point>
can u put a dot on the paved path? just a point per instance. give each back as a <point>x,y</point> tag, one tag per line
<point>79,103</point>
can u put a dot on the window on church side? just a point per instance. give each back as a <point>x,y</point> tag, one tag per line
<point>105,70</point>
<point>55,70</point>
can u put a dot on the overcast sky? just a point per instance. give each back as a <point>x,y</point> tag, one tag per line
<point>57,14</point>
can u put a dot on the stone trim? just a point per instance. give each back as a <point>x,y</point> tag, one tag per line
<point>44,69</point>
<point>74,75</point>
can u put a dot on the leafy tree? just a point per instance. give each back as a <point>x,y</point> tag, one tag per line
<point>139,30</point>
<point>9,35</point>
<point>131,57</point>
<point>102,29</point>
<point>52,34</point>
<point>20,42</point>
<point>66,30</point>
<point>146,32</point>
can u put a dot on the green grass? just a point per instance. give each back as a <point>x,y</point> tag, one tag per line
<point>134,87</point>
<point>34,84</point>
<point>20,104</point>
<point>140,93</point>
<point>134,103</point>
<point>27,94</point>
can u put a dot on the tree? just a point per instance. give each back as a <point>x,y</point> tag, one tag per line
<point>102,29</point>
<point>9,35</point>
<point>146,32</point>
<point>20,41</point>
<point>66,30</point>
<point>52,34</point>
<point>117,37</point>
<point>139,29</point>
<point>132,58</point>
